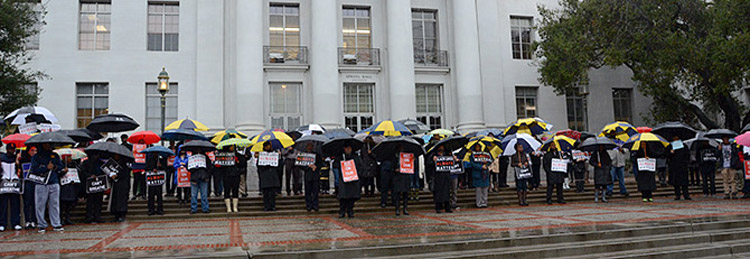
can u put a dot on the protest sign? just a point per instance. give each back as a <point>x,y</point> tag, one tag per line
<point>559,165</point>
<point>349,171</point>
<point>97,184</point>
<point>196,161</point>
<point>155,178</point>
<point>111,167</point>
<point>646,164</point>
<point>406,162</point>
<point>70,177</point>
<point>13,186</point>
<point>444,163</point>
<point>482,157</point>
<point>140,158</point>
<point>183,177</point>
<point>25,168</point>
<point>577,155</point>
<point>224,158</point>
<point>268,159</point>
<point>305,159</point>
<point>28,128</point>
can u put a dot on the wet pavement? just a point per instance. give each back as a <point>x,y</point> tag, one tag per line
<point>239,236</point>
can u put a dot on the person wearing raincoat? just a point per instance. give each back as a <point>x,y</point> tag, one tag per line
<point>401,181</point>
<point>555,180</point>
<point>678,160</point>
<point>480,178</point>
<point>441,182</point>
<point>120,189</point>
<point>91,168</point>
<point>707,156</point>
<point>70,192</point>
<point>602,167</point>
<point>155,163</point>
<point>270,183</point>
<point>521,163</point>
<point>646,179</point>
<point>312,179</point>
<point>199,180</point>
<point>181,161</point>
<point>369,167</point>
<point>231,178</point>
<point>349,192</point>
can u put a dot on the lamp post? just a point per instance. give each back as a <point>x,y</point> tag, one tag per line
<point>163,90</point>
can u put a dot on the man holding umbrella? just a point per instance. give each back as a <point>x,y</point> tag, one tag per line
<point>556,176</point>
<point>729,162</point>
<point>346,165</point>
<point>48,163</point>
<point>309,160</point>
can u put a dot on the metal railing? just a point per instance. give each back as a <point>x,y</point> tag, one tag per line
<point>285,55</point>
<point>359,56</point>
<point>431,58</point>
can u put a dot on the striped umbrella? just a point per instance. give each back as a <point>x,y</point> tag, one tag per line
<point>535,126</point>
<point>278,140</point>
<point>187,124</point>
<point>72,152</point>
<point>620,130</point>
<point>562,143</point>
<point>227,134</point>
<point>388,128</point>
<point>488,142</point>
<point>528,142</point>
<point>652,140</point>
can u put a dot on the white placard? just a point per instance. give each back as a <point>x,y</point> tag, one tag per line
<point>70,177</point>
<point>647,164</point>
<point>559,165</point>
<point>196,161</point>
<point>268,159</point>
<point>28,128</point>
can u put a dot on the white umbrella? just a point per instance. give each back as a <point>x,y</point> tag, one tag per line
<point>19,115</point>
<point>528,142</point>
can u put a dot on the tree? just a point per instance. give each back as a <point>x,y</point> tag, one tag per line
<point>692,57</point>
<point>18,21</point>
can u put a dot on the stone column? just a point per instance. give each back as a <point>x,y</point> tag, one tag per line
<point>249,86</point>
<point>466,66</point>
<point>326,93</point>
<point>400,66</point>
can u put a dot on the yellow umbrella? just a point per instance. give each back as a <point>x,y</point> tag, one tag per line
<point>562,143</point>
<point>278,140</point>
<point>535,126</point>
<point>186,124</point>
<point>227,134</point>
<point>388,128</point>
<point>620,130</point>
<point>634,143</point>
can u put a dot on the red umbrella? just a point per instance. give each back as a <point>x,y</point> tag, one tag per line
<point>569,133</point>
<point>18,139</point>
<point>643,129</point>
<point>148,137</point>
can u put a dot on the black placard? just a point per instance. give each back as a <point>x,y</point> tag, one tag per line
<point>97,184</point>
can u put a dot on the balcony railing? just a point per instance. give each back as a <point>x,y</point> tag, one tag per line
<point>295,55</point>
<point>359,56</point>
<point>431,58</point>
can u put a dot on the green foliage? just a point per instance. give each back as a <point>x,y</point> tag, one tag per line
<point>17,23</point>
<point>681,52</point>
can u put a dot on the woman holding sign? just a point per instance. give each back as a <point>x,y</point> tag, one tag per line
<point>29,207</point>
<point>180,174</point>
<point>480,176</point>
<point>347,166</point>
<point>90,169</point>
<point>70,189</point>
<point>403,167</point>
<point>602,163</point>
<point>226,162</point>
<point>11,198</point>
<point>269,166</point>
<point>521,163</point>
<point>556,166</point>
<point>444,164</point>
<point>310,163</point>
<point>646,176</point>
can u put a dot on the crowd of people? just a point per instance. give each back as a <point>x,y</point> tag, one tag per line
<point>223,173</point>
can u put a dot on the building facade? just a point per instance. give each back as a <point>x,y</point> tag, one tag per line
<point>258,64</point>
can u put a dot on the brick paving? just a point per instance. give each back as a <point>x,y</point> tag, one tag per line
<point>318,231</point>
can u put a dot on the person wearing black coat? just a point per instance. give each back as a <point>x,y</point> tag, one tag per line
<point>349,192</point>
<point>387,177</point>
<point>28,197</point>
<point>199,181</point>
<point>270,183</point>
<point>602,166</point>
<point>646,179</point>
<point>89,169</point>
<point>312,179</point>
<point>155,163</point>
<point>401,181</point>
<point>228,167</point>
<point>678,160</point>
<point>554,179</point>
<point>120,189</point>
<point>707,156</point>
<point>369,167</point>
<point>70,193</point>
<point>441,182</point>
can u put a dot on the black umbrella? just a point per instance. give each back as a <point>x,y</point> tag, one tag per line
<point>389,147</point>
<point>315,140</point>
<point>335,146</point>
<point>338,133</point>
<point>674,128</point>
<point>586,135</point>
<point>593,144</point>
<point>418,139</point>
<point>110,148</point>
<point>198,146</point>
<point>294,134</point>
<point>700,137</point>
<point>182,134</point>
<point>720,133</point>
<point>53,138</point>
<point>746,128</point>
<point>115,122</point>
<point>93,134</point>
<point>415,126</point>
<point>450,143</point>
<point>77,135</point>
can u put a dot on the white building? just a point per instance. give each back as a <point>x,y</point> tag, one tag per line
<point>257,64</point>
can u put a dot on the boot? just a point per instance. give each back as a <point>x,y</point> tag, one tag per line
<point>229,205</point>
<point>406,213</point>
<point>235,204</point>
<point>520,198</point>
<point>525,195</point>
<point>604,197</point>
<point>596,196</point>
<point>398,208</point>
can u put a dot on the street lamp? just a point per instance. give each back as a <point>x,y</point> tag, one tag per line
<point>163,90</point>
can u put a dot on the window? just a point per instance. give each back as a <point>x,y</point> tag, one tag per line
<point>356,29</point>
<point>284,31</point>
<point>622,100</point>
<point>153,106</point>
<point>430,105</point>
<point>286,105</point>
<point>94,26</point>
<point>424,31</point>
<point>163,26</point>
<point>92,99</point>
<point>359,106</point>
<point>525,102</point>
<point>520,34</point>
<point>32,42</point>
<point>577,109</point>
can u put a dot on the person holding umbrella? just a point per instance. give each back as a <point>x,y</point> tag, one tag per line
<point>181,163</point>
<point>71,191</point>
<point>120,189</point>
<point>155,162</point>
<point>226,163</point>
<point>646,178</point>
<point>442,179</point>
<point>270,182</point>
<point>707,156</point>
<point>369,167</point>
<point>521,163</point>
<point>48,194</point>
<point>401,178</point>
<point>90,169</point>
<point>480,177</point>
<point>555,178</point>
<point>198,165</point>
<point>602,167</point>
<point>679,157</point>
<point>349,189</point>
<point>312,178</point>
<point>29,208</point>
<point>729,162</point>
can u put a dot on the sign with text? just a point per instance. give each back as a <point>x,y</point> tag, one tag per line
<point>111,167</point>
<point>211,156</point>
<point>444,163</point>
<point>482,157</point>
<point>45,127</point>
<point>559,165</point>
<point>155,178</point>
<point>646,164</point>
<point>747,169</point>
<point>708,155</point>
<point>183,177</point>
<point>268,159</point>
<point>224,158</point>
<point>406,162</point>
<point>170,161</point>
<point>196,161</point>
<point>140,158</point>
<point>40,178</point>
<point>25,168</point>
<point>305,159</point>
<point>97,184</point>
<point>577,155</point>
<point>70,177</point>
<point>11,186</point>
<point>28,128</point>
<point>677,145</point>
<point>349,171</point>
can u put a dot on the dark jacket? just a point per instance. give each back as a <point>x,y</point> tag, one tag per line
<point>479,177</point>
<point>678,166</point>
<point>39,165</point>
<point>602,175</point>
<point>554,177</point>
<point>646,179</point>
<point>350,190</point>
<point>200,173</point>
<point>269,175</point>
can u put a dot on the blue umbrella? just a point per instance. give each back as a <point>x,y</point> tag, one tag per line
<point>161,150</point>
<point>182,134</point>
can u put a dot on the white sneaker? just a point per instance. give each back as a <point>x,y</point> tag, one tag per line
<point>17,227</point>
<point>41,230</point>
<point>58,229</point>
<point>2,229</point>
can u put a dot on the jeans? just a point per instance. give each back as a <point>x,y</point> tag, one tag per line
<point>336,177</point>
<point>47,195</point>
<point>618,174</point>
<point>14,202</point>
<point>415,182</point>
<point>195,187</point>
